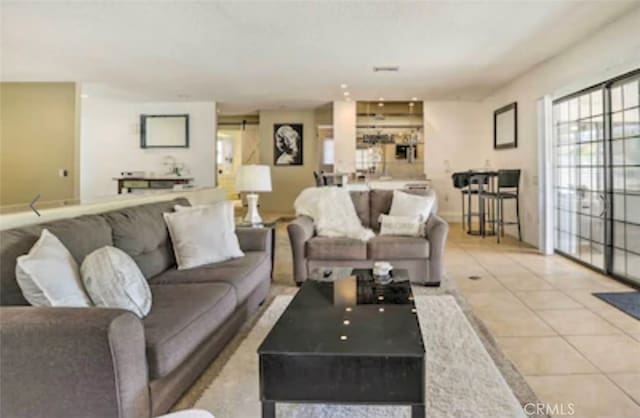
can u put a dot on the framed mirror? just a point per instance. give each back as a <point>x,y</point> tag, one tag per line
<point>164,131</point>
<point>505,127</point>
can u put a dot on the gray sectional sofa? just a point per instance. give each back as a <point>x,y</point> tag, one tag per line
<point>423,257</point>
<point>93,362</point>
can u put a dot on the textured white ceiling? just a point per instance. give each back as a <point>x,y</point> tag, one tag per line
<point>271,54</point>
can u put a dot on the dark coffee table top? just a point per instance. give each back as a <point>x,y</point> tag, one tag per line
<point>339,312</point>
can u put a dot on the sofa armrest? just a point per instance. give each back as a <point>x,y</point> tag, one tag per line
<point>254,239</point>
<point>300,231</point>
<point>72,362</point>
<point>436,230</point>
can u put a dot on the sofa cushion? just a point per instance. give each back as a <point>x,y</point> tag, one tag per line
<point>244,274</point>
<point>381,203</point>
<point>182,317</point>
<point>80,236</point>
<point>397,248</point>
<point>327,248</point>
<point>361,203</point>
<point>141,232</point>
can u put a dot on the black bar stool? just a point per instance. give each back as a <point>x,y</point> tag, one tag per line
<point>461,181</point>
<point>478,186</point>
<point>508,188</point>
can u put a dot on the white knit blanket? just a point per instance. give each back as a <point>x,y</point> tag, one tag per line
<point>333,213</point>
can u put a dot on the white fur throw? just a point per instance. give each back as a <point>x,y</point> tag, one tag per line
<point>333,213</point>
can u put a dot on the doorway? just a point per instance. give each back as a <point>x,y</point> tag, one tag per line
<point>596,151</point>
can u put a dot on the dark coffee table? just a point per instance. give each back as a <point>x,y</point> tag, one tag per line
<point>346,340</point>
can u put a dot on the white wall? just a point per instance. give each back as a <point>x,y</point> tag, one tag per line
<point>611,51</point>
<point>344,135</point>
<point>454,133</point>
<point>110,143</point>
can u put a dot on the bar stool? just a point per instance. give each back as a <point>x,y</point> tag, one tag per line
<point>509,180</point>
<point>478,184</point>
<point>461,181</point>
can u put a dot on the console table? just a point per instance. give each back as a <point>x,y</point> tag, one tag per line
<point>149,183</point>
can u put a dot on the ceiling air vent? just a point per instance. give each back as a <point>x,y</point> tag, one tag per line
<point>388,69</point>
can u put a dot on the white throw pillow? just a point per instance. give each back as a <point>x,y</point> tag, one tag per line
<point>406,204</point>
<point>203,235</point>
<point>49,276</point>
<point>409,226</point>
<point>114,280</point>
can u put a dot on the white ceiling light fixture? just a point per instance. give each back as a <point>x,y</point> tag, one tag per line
<point>414,99</point>
<point>381,99</point>
<point>380,104</point>
<point>411,104</point>
<point>346,93</point>
<point>343,86</point>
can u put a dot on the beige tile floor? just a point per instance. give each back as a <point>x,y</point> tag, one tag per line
<point>570,346</point>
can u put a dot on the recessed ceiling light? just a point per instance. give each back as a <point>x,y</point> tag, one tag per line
<point>343,86</point>
<point>386,68</point>
<point>411,104</point>
<point>381,99</point>
<point>414,98</point>
<point>380,104</point>
<point>346,93</point>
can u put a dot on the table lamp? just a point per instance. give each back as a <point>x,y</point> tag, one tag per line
<point>252,179</point>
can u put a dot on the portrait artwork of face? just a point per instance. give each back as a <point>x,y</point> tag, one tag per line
<point>287,144</point>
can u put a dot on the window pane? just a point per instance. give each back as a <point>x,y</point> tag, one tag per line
<point>630,94</point>
<point>618,179</point>
<point>633,266</point>
<point>597,255</point>
<point>574,112</point>
<point>633,179</point>
<point>585,106</point>
<point>618,234</point>
<point>633,238</point>
<point>596,103</point>
<point>619,262</point>
<point>585,251</point>
<point>632,151</point>
<point>618,206</point>
<point>617,128</point>
<point>616,99</point>
<point>631,122</point>
<point>597,230</point>
<point>617,151</point>
<point>633,208</point>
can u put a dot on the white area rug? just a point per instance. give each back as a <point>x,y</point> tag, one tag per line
<point>462,380</point>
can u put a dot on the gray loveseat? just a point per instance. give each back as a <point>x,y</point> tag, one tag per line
<point>93,362</point>
<point>423,257</point>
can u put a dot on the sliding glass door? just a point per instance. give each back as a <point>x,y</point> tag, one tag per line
<point>625,185</point>
<point>597,177</point>
<point>579,177</point>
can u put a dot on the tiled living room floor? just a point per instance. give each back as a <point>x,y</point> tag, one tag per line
<point>569,345</point>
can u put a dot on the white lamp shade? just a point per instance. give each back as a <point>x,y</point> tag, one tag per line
<point>253,178</point>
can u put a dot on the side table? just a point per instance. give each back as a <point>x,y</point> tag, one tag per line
<point>272,226</point>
